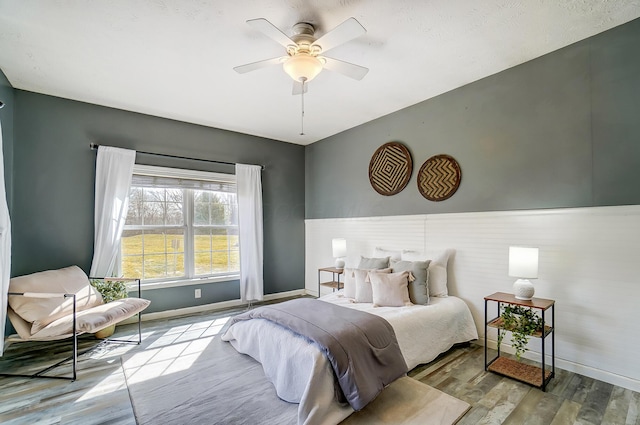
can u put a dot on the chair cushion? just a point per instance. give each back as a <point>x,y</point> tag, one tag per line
<point>93,319</point>
<point>42,311</point>
<point>22,327</point>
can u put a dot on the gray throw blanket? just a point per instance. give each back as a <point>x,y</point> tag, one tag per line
<point>361,347</point>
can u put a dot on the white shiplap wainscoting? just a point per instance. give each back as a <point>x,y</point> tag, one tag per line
<point>588,263</point>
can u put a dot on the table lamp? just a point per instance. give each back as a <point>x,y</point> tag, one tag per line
<point>339,246</point>
<point>523,264</point>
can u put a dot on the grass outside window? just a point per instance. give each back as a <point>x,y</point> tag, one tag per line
<point>164,255</point>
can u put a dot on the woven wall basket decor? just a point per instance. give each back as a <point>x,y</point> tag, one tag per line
<point>390,168</point>
<point>439,178</point>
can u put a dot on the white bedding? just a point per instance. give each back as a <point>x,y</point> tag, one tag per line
<point>302,374</point>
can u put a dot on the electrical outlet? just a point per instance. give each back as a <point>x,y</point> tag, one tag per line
<point>198,293</point>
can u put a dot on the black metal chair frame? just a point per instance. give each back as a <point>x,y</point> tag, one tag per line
<point>74,338</point>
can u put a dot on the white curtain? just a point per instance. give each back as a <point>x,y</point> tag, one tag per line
<point>249,186</point>
<point>5,250</point>
<point>114,168</point>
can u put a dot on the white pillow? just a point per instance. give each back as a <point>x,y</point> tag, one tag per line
<point>437,269</point>
<point>363,287</point>
<point>390,290</point>
<point>438,274</point>
<point>382,252</point>
<point>349,283</point>
<point>364,293</point>
<point>407,255</point>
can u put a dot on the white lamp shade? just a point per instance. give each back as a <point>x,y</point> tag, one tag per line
<point>302,66</point>
<point>339,247</point>
<point>523,262</point>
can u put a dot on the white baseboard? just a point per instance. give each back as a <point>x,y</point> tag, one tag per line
<point>210,307</point>
<point>580,369</point>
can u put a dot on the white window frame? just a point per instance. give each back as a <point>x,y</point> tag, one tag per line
<point>189,255</point>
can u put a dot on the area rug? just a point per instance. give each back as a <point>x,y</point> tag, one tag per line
<point>181,380</point>
<point>408,402</point>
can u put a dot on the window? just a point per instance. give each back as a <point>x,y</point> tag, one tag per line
<point>181,225</point>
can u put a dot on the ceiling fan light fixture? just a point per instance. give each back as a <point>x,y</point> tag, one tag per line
<point>302,67</point>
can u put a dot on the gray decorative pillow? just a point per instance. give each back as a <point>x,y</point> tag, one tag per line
<point>373,263</point>
<point>418,289</point>
<point>437,269</point>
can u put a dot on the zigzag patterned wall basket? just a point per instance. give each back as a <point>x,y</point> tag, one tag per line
<point>390,168</point>
<point>439,178</point>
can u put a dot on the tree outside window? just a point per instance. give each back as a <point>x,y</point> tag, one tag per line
<point>180,228</point>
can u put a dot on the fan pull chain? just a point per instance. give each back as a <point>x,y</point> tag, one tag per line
<point>304,80</point>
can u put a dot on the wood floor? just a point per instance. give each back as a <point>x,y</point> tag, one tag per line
<point>100,394</point>
<point>569,398</point>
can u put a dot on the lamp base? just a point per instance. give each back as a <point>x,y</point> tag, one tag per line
<point>523,289</point>
<point>339,264</point>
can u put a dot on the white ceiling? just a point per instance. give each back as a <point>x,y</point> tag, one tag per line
<point>174,59</point>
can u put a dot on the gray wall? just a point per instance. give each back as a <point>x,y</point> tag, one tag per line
<point>54,172</point>
<point>559,131</point>
<point>6,118</point>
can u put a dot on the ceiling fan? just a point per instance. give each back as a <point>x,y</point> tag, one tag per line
<point>305,54</point>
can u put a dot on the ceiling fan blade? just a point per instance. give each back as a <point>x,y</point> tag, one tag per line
<point>257,65</point>
<point>299,88</point>
<point>271,31</point>
<point>351,70</point>
<point>348,30</point>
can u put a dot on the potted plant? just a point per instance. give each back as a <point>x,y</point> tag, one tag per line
<point>110,290</point>
<point>522,322</point>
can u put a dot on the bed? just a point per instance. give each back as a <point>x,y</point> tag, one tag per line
<point>301,372</point>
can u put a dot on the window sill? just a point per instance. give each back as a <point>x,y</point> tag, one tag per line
<point>188,282</point>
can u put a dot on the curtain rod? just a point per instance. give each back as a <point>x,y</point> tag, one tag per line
<point>95,146</point>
